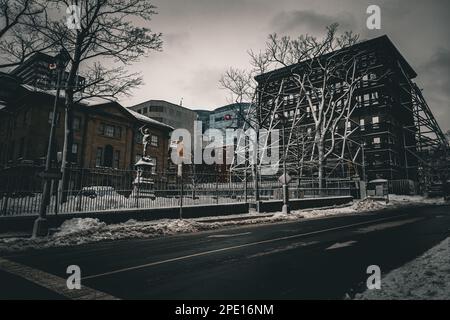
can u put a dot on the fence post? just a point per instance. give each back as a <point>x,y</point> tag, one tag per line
<point>137,188</point>
<point>80,191</point>
<point>5,204</point>
<point>217,189</point>
<point>245,186</point>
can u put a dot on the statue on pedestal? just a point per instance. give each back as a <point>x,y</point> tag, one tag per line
<point>143,184</point>
<point>146,137</point>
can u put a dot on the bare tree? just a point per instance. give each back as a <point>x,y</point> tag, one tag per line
<point>19,20</point>
<point>102,38</point>
<point>316,95</point>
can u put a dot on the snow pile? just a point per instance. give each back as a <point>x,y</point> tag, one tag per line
<point>401,200</point>
<point>80,231</point>
<point>427,277</point>
<point>79,225</point>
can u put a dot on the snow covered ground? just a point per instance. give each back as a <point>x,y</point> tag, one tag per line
<point>80,231</point>
<point>425,278</point>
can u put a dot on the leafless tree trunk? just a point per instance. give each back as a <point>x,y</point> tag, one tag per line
<point>326,74</point>
<point>105,30</point>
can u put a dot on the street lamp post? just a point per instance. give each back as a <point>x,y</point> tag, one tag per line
<point>40,227</point>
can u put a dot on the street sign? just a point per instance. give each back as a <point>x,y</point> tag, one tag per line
<point>50,175</point>
<point>285,179</point>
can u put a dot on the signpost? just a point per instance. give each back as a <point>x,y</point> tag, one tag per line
<point>285,179</point>
<point>180,152</point>
<point>40,227</point>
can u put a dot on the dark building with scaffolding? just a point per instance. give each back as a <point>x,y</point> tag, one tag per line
<point>40,71</point>
<point>393,131</point>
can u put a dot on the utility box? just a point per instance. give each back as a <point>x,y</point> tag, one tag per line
<point>378,189</point>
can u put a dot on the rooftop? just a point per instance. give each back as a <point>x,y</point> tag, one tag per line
<point>100,101</point>
<point>382,41</point>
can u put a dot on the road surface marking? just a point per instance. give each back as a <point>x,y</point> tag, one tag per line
<point>387,225</point>
<point>229,235</point>
<point>52,282</point>
<point>339,245</point>
<point>286,248</point>
<point>204,253</point>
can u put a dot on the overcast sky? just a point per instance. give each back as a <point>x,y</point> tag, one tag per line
<point>202,38</point>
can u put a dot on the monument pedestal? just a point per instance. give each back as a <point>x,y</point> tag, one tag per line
<point>144,183</point>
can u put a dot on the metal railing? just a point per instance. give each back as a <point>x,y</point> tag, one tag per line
<point>99,189</point>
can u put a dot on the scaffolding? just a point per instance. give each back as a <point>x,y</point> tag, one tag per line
<point>430,146</point>
<point>288,114</point>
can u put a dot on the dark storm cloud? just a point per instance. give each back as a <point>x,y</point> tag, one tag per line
<point>437,68</point>
<point>203,37</point>
<point>287,22</point>
<point>435,79</point>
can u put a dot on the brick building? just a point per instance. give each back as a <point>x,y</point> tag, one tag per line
<point>105,134</point>
<point>40,71</point>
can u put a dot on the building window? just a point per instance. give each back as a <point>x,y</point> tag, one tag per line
<point>154,141</point>
<point>108,156</point>
<point>155,162</point>
<point>99,157</point>
<point>377,140</point>
<point>157,109</point>
<point>375,122</point>
<point>116,159</point>
<point>109,131</point>
<point>138,137</point>
<point>362,124</point>
<point>76,125</point>
<point>74,152</point>
<point>117,132</point>
<point>366,99</point>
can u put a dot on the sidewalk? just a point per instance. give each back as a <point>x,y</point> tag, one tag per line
<point>427,277</point>
<point>20,288</point>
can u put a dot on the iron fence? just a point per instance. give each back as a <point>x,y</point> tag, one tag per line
<point>98,189</point>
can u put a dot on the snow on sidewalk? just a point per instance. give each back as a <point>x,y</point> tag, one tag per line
<point>87,230</point>
<point>425,278</point>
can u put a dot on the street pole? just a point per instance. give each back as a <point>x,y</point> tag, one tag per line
<point>40,228</point>
<point>363,162</point>
<point>286,208</point>
<point>245,185</point>
<point>181,190</point>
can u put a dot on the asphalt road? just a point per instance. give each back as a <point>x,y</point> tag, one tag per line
<point>310,259</point>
